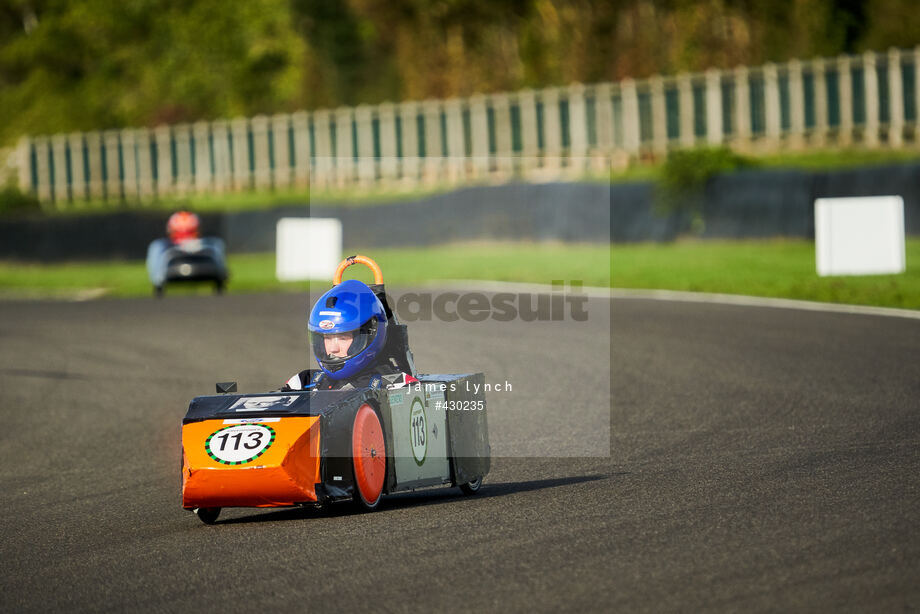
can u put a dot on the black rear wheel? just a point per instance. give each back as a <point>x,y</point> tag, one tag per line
<point>471,487</point>
<point>208,515</point>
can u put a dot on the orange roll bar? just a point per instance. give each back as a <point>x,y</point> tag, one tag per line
<point>357,259</point>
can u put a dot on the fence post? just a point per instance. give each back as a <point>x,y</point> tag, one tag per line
<point>895,99</point>
<point>223,170</point>
<point>77,165</point>
<point>714,107</point>
<point>408,114</point>
<point>324,175</point>
<point>164,161</point>
<point>94,150</point>
<point>456,149</point>
<point>501,107</point>
<point>845,100</point>
<point>742,108</point>
<point>578,128</point>
<point>281,147</point>
<point>365,150</point>
<point>796,104</point>
<point>603,106</point>
<point>203,175</point>
<point>659,114</point>
<point>42,169</point>
<point>530,144</point>
<point>870,79</point>
<point>434,153</point>
<point>112,179</point>
<point>344,147</point>
<point>239,129</point>
<point>145,187</point>
<point>821,123</point>
<point>685,95</point>
<point>261,160</point>
<point>59,158</point>
<point>479,136</point>
<point>24,152</point>
<point>552,136</point>
<point>301,125</point>
<point>184,178</point>
<point>630,116</point>
<point>389,162</point>
<point>772,105</point>
<point>129,163</point>
<point>917,95</point>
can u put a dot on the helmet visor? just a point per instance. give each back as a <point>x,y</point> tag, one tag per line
<point>334,350</point>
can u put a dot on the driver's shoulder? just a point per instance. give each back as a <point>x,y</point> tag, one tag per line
<point>302,380</point>
<point>372,377</point>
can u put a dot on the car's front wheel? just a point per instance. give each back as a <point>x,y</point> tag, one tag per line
<point>207,515</point>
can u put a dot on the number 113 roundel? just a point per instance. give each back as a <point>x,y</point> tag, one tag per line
<point>240,443</point>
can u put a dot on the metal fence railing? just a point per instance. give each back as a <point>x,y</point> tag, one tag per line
<point>870,100</point>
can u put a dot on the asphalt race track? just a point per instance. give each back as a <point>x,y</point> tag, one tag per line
<point>757,459</point>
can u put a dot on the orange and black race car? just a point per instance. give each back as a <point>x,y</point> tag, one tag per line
<point>315,446</point>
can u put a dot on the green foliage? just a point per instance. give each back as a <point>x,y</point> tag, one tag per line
<point>685,173</point>
<point>95,64</point>
<point>14,202</point>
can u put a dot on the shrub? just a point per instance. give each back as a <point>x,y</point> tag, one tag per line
<point>684,177</point>
<point>13,201</point>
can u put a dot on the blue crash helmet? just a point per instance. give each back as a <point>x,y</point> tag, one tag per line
<point>348,308</point>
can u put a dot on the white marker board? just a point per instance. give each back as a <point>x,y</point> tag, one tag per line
<point>859,235</point>
<point>307,248</point>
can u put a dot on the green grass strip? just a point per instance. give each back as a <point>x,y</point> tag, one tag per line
<point>772,268</point>
<point>776,268</point>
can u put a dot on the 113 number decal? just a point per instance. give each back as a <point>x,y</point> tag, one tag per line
<point>240,443</point>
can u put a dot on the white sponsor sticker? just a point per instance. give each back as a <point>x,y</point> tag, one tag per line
<point>250,420</point>
<point>326,324</point>
<point>262,403</point>
<point>294,382</point>
<point>330,313</point>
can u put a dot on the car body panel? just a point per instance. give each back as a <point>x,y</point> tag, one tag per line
<point>419,437</point>
<point>283,472</point>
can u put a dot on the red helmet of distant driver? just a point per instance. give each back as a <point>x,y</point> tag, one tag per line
<point>182,226</point>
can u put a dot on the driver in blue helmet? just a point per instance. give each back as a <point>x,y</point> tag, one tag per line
<point>348,330</point>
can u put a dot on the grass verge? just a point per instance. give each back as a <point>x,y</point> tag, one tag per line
<point>774,268</point>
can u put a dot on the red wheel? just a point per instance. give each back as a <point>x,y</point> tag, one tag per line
<point>368,453</point>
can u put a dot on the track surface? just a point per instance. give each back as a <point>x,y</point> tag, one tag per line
<point>759,459</point>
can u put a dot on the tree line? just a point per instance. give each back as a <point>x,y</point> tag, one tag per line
<point>96,64</point>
